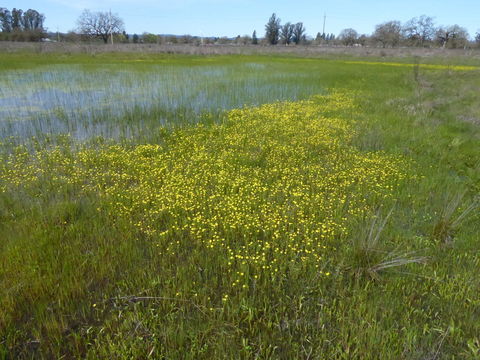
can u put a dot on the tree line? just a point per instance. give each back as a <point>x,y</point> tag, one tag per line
<point>17,25</point>
<point>421,31</point>
<point>418,32</point>
<point>285,34</point>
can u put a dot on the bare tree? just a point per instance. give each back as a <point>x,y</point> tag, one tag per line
<point>453,36</point>
<point>419,31</point>
<point>348,36</point>
<point>363,39</point>
<point>388,33</point>
<point>100,24</point>
<point>286,33</point>
<point>299,33</point>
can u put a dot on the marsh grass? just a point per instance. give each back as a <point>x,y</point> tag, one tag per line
<point>121,100</point>
<point>454,213</point>
<point>369,254</point>
<point>88,271</point>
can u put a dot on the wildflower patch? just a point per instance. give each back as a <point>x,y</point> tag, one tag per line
<point>269,187</point>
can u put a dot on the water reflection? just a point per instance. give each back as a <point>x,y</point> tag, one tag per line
<point>113,101</point>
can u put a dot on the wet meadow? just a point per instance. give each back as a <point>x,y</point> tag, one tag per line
<point>239,206</point>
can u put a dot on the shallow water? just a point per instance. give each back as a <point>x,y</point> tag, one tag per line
<point>113,101</point>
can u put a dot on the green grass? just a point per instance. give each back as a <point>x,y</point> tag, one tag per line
<point>80,279</point>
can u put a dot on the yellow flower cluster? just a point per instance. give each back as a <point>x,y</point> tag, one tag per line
<point>271,185</point>
<point>422,66</point>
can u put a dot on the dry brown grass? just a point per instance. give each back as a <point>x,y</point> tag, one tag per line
<point>307,51</point>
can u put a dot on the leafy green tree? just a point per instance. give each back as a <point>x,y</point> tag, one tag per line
<point>149,38</point>
<point>272,30</point>
<point>286,33</point>
<point>318,39</point>
<point>17,19</point>
<point>5,20</point>
<point>254,38</point>
<point>21,26</point>
<point>135,38</point>
<point>32,20</point>
<point>299,33</point>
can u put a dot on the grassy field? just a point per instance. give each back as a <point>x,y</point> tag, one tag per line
<point>267,207</point>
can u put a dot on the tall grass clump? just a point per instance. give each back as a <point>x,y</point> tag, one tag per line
<point>452,215</point>
<point>369,254</point>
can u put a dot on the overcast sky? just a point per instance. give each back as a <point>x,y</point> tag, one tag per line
<point>240,17</point>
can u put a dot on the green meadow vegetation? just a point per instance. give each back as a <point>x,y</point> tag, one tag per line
<point>239,207</point>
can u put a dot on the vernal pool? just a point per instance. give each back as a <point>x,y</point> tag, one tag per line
<point>116,100</point>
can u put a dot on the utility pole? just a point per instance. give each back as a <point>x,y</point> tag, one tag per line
<point>324,21</point>
<point>58,35</point>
